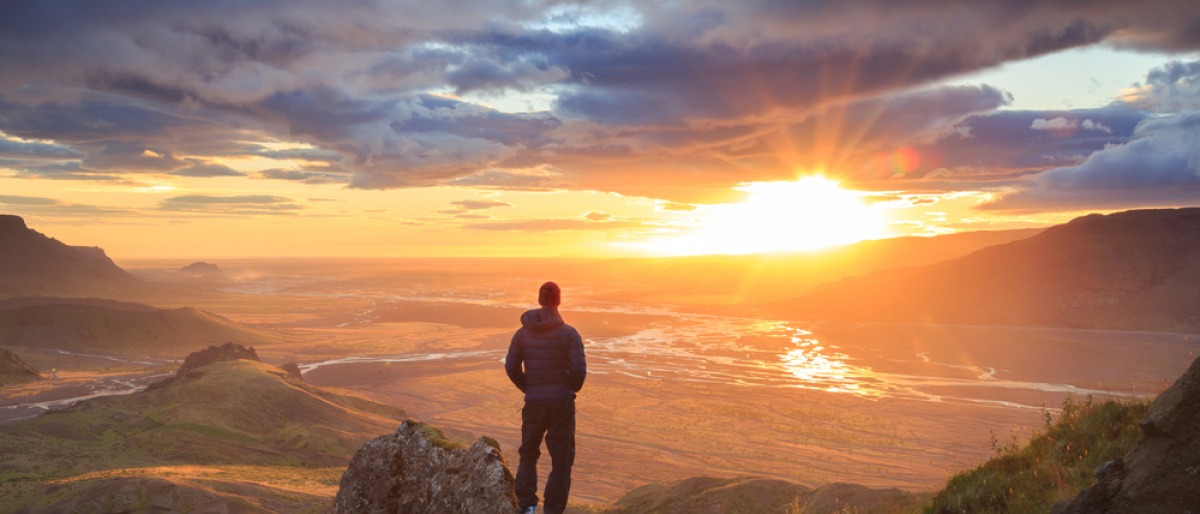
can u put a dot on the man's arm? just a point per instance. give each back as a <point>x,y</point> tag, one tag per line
<point>513,362</point>
<point>576,361</point>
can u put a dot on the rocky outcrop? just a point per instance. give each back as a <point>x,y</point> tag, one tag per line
<point>14,371</point>
<point>417,470</point>
<point>293,369</point>
<point>200,268</point>
<point>1161,473</point>
<point>214,354</point>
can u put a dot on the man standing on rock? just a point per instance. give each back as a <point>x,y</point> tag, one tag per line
<point>546,362</point>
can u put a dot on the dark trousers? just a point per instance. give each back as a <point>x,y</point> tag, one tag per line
<point>556,422</point>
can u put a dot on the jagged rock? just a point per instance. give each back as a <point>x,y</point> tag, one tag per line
<point>212,354</point>
<point>1161,473</point>
<point>417,470</point>
<point>293,369</point>
<point>200,268</point>
<point>14,371</point>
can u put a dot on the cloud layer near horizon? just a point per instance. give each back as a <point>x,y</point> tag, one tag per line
<point>675,103</point>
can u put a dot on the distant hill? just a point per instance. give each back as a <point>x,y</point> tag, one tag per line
<point>32,264</point>
<point>97,324</point>
<point>239,433</point>
<point>1129,270</point>
<point>767,277</point>
<point>14,371</point>
<point>200,268</point>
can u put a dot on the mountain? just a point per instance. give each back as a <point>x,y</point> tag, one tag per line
<point>200,268</point>
<point>777,276</point>
<point>32,264</point>
<point>14,371</point>
<point>98,324</point>
<point>238,433</point>
<point>1129,270</point>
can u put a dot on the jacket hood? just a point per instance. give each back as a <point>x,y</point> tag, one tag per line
<point>539,320</point>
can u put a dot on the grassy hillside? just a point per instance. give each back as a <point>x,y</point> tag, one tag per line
<point>1054,465</point>
<point>109,326</point>
<point>262,428</point>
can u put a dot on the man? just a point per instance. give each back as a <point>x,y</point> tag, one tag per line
<point>546,362</point>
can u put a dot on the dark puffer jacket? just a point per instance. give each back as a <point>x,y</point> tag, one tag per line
<point>545,359</point>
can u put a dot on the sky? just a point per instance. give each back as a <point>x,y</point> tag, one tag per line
<point>211,128</point>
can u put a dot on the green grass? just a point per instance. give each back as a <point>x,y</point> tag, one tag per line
<point>436,437</point>
<point>1055,465</point>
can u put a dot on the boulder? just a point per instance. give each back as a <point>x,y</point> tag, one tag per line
<point>1161,473</point>
<point>418,470</point>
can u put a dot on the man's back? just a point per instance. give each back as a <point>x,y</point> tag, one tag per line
<point>546,359</point>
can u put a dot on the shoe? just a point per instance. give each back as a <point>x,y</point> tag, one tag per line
<point>532,509</point>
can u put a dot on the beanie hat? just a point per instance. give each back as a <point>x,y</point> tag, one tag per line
<point>549,295</point>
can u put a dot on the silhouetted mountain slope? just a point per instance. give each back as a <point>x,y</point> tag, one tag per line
<point>777,276</point>
<point>14,371</point>
<point>95,324</point>
<point>1130,270</point>
<point>32,264</point>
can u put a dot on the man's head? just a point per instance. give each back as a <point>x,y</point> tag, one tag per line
<point>549,295</point>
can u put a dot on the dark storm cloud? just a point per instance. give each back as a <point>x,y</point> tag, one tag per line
<point>1014,142</point>
<point>35,150</point>
<point>1157,164</point>
<point>144,86</point>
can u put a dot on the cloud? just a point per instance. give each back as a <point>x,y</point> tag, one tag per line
<point>1159,166</point>
<point>200,168</point>
<point>244,204</point>
<point>306,176</point>
<point>52,207</point>
<point>673,100</point>
<point>27,200</point>
<point>1171,88</point>
<point>677,206</point>
<point>555,225</point>
<point>992,148</point>
<point>509,180</point>
<point>474,205</point>
<point>35,150</point>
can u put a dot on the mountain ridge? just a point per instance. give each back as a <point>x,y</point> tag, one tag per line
<point>33,264</point>
<point>1130,270</point>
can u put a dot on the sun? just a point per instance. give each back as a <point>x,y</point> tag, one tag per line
<point>807,214</point>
